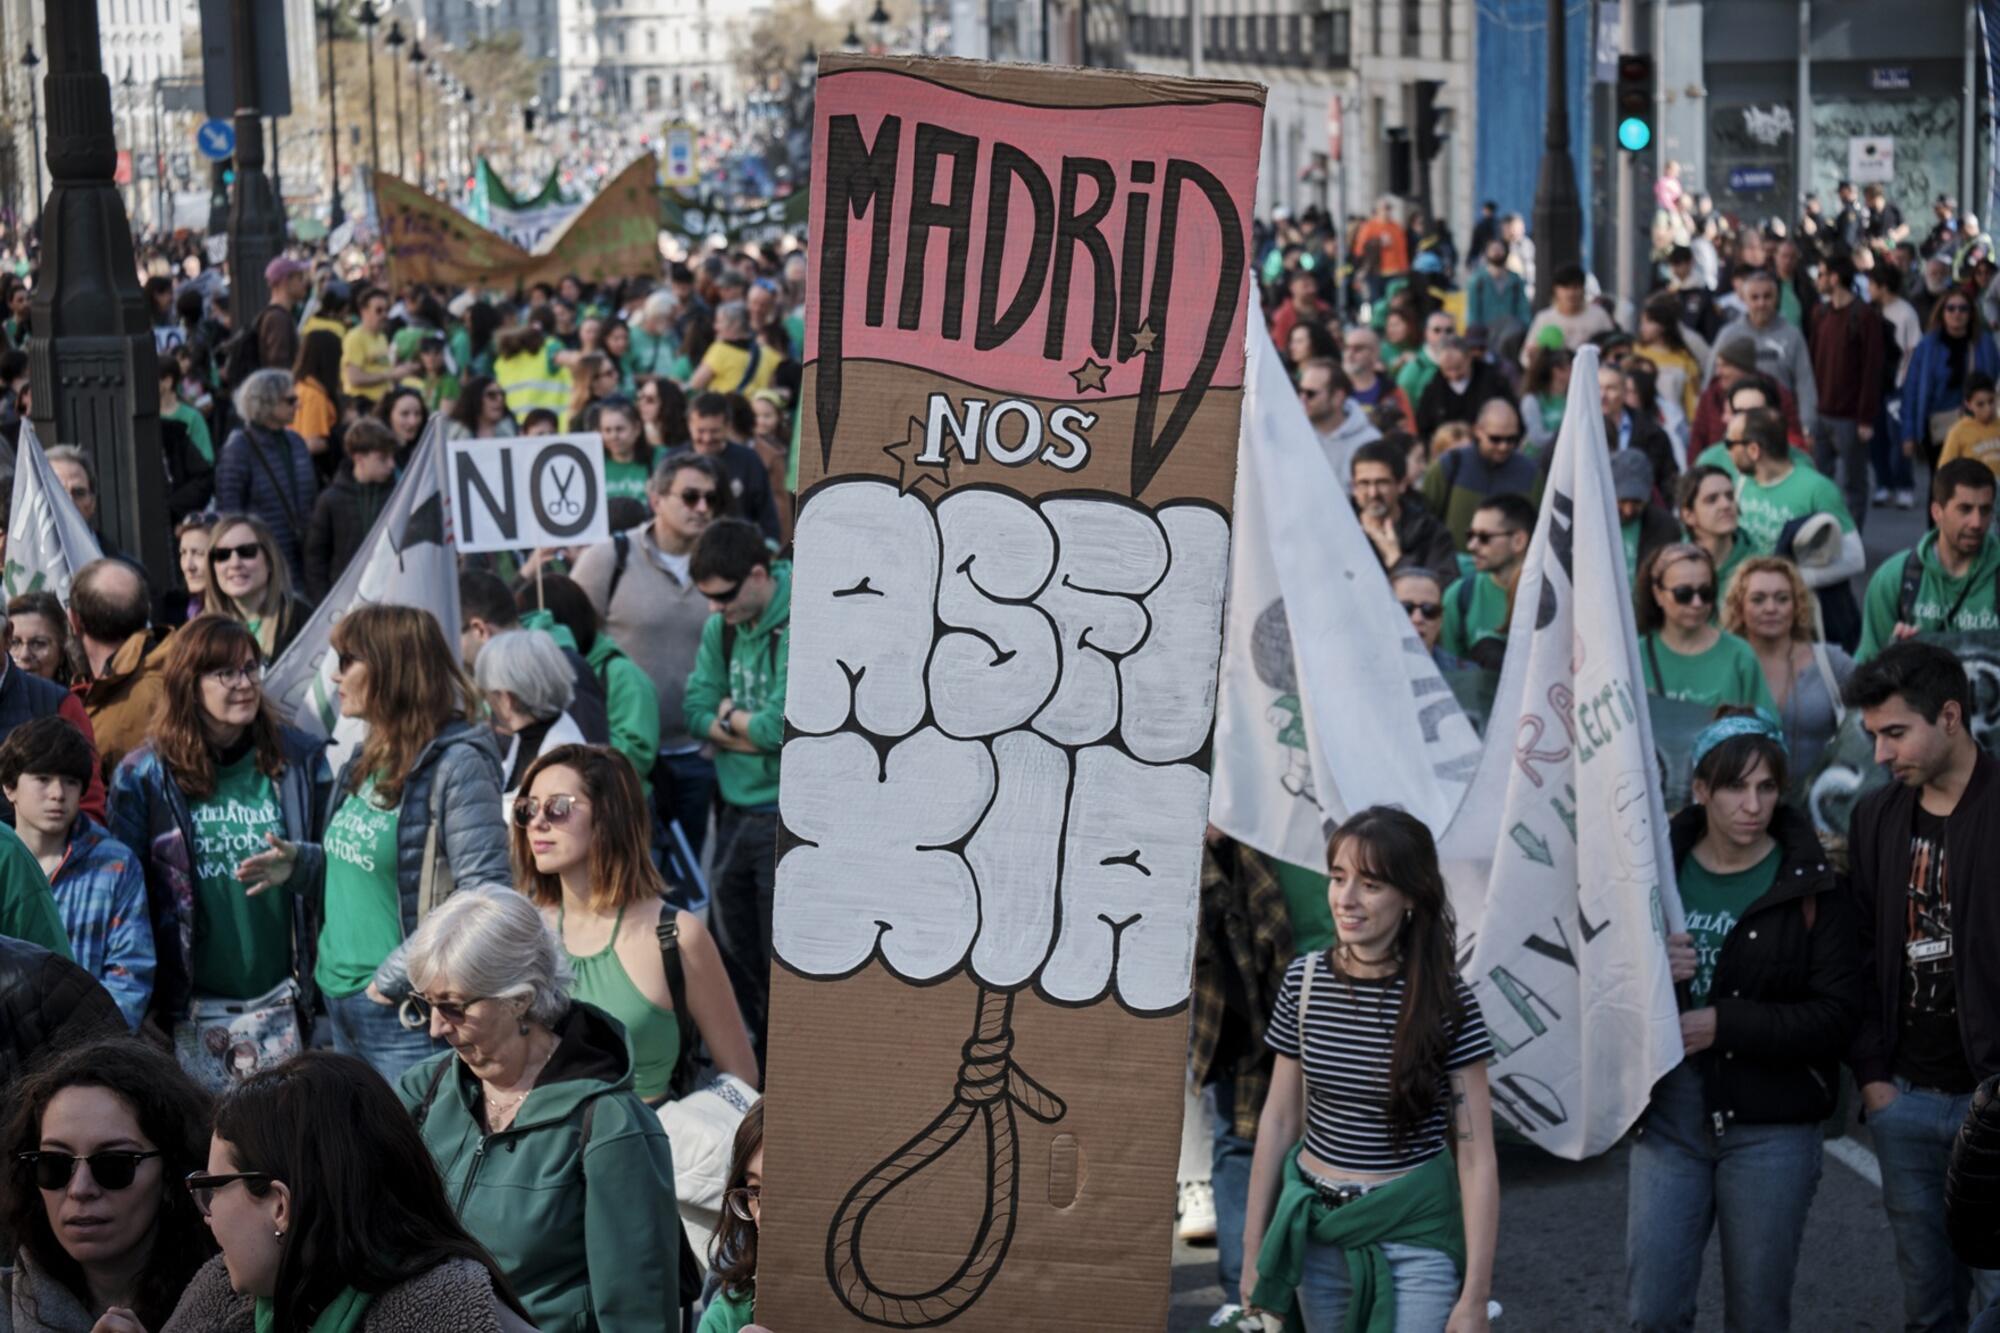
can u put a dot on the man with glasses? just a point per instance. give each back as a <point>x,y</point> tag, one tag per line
<point>1368,387</point>
<point>1342,427</point>
<point>645,599</point>
<point>1476,605</point>
<point>1463,479</point>
<point>1398,526</point>
<point>736,702</point>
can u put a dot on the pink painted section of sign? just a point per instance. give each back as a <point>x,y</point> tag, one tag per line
<point>1222,138</point>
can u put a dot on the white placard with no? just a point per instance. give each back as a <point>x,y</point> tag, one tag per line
<point>529,491</point>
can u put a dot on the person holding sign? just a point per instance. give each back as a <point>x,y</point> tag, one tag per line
<point>1683,654</point>
<point>1770,994</point>
<point>1382,1055</point>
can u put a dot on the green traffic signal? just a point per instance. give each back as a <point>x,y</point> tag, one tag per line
<point>229,176</point>
<point>1634,134</point>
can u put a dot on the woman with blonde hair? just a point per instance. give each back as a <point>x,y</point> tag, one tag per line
<point>1770,607</point>
<point>582,854</point>
<point>412,817</point>
<point>591,376</point>
<point>250,580</point>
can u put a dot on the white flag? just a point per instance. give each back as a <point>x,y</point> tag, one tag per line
<point>1559,863</point>
<point>409,560</point>
<point>1329,702</point>
<point>47,539</point>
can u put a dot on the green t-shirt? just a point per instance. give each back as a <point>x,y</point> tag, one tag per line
<point>1468,618</point>
<point>242,945</point>
<point>1629,534</point>
<point>1727,673</point>
<point>1763,510</point>
<point>727,1314</point>
<point>1714,904</point>
<point>27,908</point>
<point>1305,900</point>
<point>364,917</point>
<point>197,429</point>
<point>626,479</point>
<point>1717,455</point>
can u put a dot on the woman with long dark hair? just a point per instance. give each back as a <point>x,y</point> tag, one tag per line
<point>1381,1062</point>
<point>663,410</point>
<point>96,1145</point>
<point>1769,973</point>
<point>1957,345</point>
<point>480,412</point>
<point>402,410</point>
<point>331,1216</point>
<point>316,417</point>
<point>732,1252</point>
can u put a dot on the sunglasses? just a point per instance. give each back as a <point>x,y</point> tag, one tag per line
<point>1509,440</point>
<point>203,1186</point>
<point>344,661</point>
<point>726,596</point>
<point>695,498</point>
<point>111,1170</point>
<point>1687,594</point>
<point>1427,610</point>
<point>1474,537</point>
<point>1954,308</point>
<point>247,552</point>
<point>556,809</point>
<point>454,1012</point>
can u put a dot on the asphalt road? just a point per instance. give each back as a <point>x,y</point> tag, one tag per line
<point>1562,1224</point>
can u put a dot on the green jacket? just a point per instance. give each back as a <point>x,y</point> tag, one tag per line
<point>753,676</point>
<point>27,907</point>
<point>581,1216</point>
<point>1943,602</point>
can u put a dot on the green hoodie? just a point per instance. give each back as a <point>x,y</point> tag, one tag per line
<point>630,701</point>
<point>1943,603</point>
<point>585,1226</point>
<point>754,677</point>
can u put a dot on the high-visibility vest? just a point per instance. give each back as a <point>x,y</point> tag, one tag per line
<point>524,378</point>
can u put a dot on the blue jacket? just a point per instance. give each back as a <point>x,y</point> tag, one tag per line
<point>1924,389</point>
<point>457,778</point>
<point>150,812</point>
<point>250,471</point>
<point>1491,303</point>
<point>100,889</point>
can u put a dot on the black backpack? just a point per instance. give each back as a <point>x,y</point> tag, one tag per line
<point>1912,585</point>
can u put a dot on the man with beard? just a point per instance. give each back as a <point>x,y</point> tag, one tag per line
<point>1401,530</point>
<point>1947,580</point>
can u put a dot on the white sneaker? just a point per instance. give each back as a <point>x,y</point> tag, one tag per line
<point>1197,1212</point>
<point>1906,500</point>
<point>1881,495</point>
<point>1229,1316</point>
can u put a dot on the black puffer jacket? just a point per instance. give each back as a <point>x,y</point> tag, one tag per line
<point>1787,991</point>
<point>47,1003</point>
<point>1972,1182</point>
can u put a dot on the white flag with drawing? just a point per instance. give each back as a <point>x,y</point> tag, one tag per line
<point>1329,702</point>
<point>408,559</point>
<point>1559,864</point>
<point>47,539</point>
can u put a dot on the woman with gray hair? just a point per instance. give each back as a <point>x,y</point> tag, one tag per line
<point>529,687</point>
<point>265,467</point>
<point>557,1167</point>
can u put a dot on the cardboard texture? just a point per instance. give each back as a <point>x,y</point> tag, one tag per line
<point>1020,413</point>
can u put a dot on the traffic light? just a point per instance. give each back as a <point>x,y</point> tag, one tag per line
<point>1430,120</point>
<point>1634,111</point>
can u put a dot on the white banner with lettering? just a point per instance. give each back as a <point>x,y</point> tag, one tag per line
<point>47,539</point>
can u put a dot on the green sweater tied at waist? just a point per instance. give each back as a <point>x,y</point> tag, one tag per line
<point>1420,1208</point>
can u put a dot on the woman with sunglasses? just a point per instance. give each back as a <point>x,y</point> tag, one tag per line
<point>1681,652</point>
<point>413,814</point>
<point>223,804</point>
<point>480,412</point>
<point>1769,978</point>
<point>331,1217</point>
<point>1420,595</point>
<point>557,1167</point>
<point>1934,384</point>
<point>252,582</point>
<point>96,1145</point>
<point>582,854</point>
<point>732,1252</point>
<point>265,468</point>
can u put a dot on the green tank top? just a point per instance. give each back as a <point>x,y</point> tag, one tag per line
<point>653,1033</point>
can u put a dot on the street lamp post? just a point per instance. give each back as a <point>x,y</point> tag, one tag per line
<point>1558,214</point>
<point>29,62</point>
<point>417,73</point>
<point>368,18</point>
<point>256,225</point>
<point>878,24</point>
<point>91,358</point>
<point>337,214</point>
<point>395,41</point>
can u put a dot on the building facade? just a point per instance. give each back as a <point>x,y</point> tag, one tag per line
<point>654,57</point>
<point>462,23</point>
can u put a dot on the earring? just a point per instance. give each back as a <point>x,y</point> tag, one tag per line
<point>279,1233</point>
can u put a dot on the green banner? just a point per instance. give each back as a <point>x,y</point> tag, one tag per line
<point>689,217</point>
<point>490,192</point>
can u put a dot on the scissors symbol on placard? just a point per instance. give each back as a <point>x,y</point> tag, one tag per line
<point>562,506</point>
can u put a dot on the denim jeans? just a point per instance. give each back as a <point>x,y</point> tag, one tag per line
<point>1755,1181</point>
<point>1839,441</point>
<point>1229,1173</point>
<point>687,794</point>
<point>376,1034</point>
<point>1893,469</point>
<point>1913,1136</point>
<point>746,871</point>
<point>1426,1283</point>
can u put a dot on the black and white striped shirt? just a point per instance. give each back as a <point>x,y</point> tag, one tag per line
<point>1350,1030</point>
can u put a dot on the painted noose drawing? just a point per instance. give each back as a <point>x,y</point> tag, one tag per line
<point>1012,550</point>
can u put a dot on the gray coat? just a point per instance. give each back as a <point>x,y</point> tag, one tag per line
<point>32,1303</point>
<point>454,1297</point>
<point>457,778</point>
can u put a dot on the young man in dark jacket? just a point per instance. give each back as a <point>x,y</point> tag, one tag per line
<point>1924,853</point>
<point>347,509</point>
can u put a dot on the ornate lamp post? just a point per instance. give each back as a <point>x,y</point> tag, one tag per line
<point>395,41</point>
<point>29,62</point>
<point>337,214</point>
<point>367,17</point>
<point>1558,214</point>
<point>417,72</point>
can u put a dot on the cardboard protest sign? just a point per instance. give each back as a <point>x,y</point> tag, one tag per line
<point>529,491</point>
<point>615,235</point>
<point>1021,403</point>
<point>1560,870</point>
<point>427,240</point>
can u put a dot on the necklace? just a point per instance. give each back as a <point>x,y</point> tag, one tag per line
<point>497,1106</point>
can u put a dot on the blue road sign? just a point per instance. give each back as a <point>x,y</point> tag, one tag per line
<point>216,139</point>
<point>1752,180</point>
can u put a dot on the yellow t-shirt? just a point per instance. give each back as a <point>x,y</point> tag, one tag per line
<point>1969,439</point>
<point>362,350</point>
<point>727,364</point>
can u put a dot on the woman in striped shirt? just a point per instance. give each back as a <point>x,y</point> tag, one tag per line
<point>1381,1062</point>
